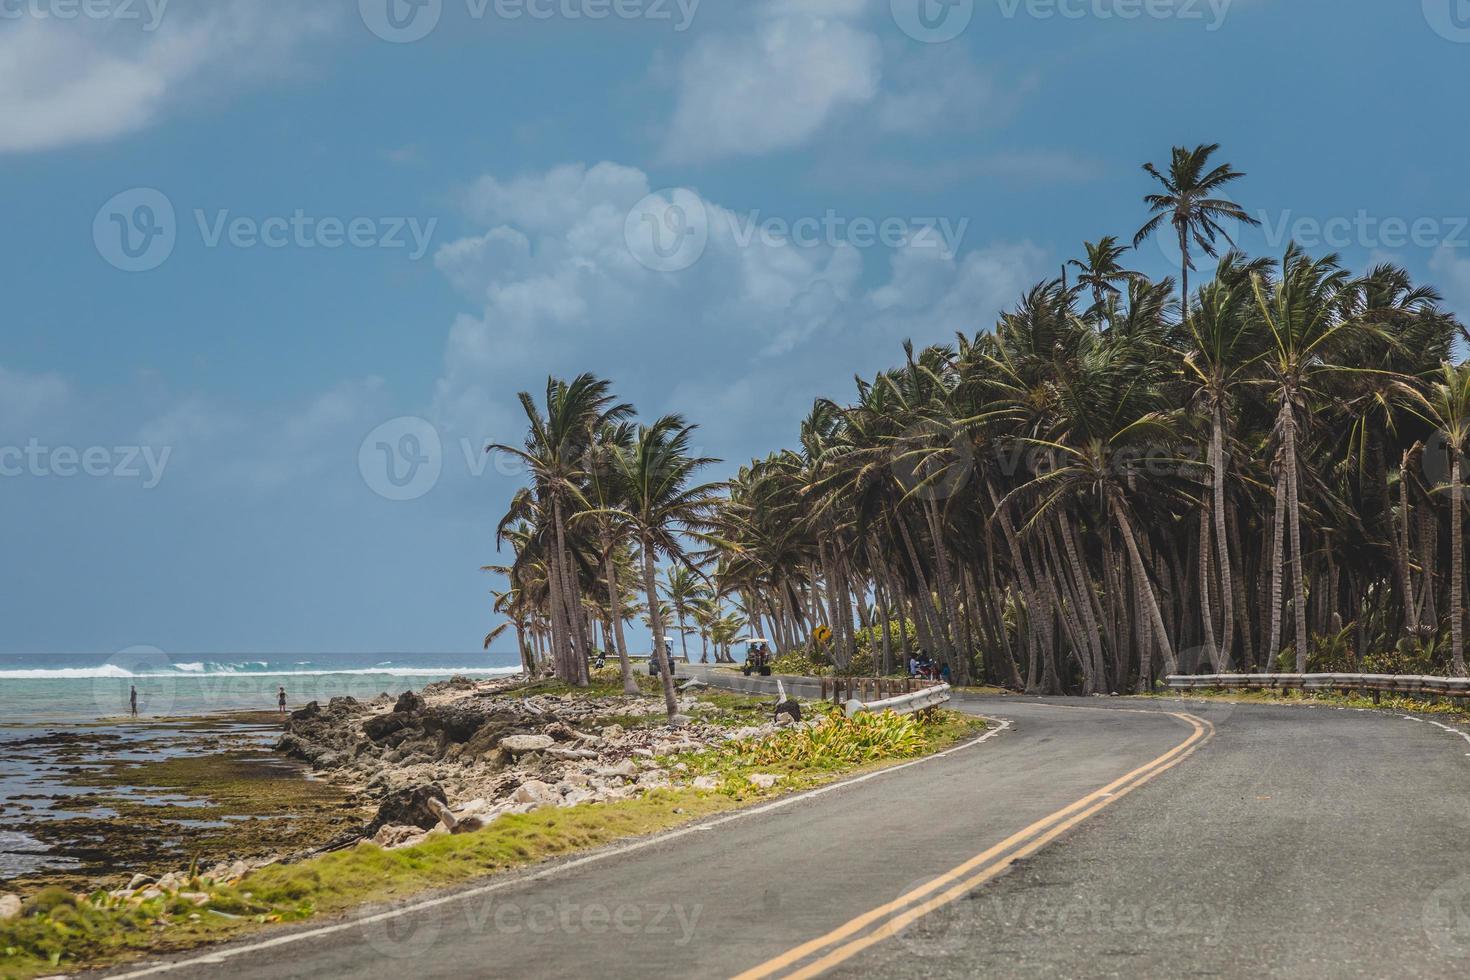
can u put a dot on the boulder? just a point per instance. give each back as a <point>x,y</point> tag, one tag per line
<point>9,907</point>
<point>393,836</point>
<point>707,782</point>
<point>409,808</point>
<point>535,791</point>
<point>307,713</point>
<point>454,723</point>
<point>625,769</point>
<point>407,703</point>
<point>380,728</point>
<point>764,780</point>
<point>521,744</point>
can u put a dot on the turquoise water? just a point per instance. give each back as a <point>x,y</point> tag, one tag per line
<point>48,703</point>
<point>70,689</point>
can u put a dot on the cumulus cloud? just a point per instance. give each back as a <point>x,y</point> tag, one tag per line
<point>86,80</point>
<point>775,85</point>
<point>758,323</point>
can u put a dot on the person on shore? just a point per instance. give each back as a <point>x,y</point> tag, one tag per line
<point>281,701</point>
<point>133,700</point>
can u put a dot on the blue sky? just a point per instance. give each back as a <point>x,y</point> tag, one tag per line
<point>335,230</point>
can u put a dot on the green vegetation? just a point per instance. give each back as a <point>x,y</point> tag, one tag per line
<point>1119,479</point>
<point>59,930</point>
<point>1395,703</point>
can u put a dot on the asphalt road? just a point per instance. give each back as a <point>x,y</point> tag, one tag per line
<point>1090,838</point>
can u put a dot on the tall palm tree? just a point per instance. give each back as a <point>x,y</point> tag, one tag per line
<point>1102,272</point>
<point>1224,347</point>
<point>684,588</point>
<point>1188,203</point>
<point>1446,405</point>
<point>556,455</point>
<point>663,509</point>
<point>1302,310</point>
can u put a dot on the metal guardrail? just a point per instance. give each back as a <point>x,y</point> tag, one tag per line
<point>840,690</point>
<point>1374,684</point>
<point>904,704</point>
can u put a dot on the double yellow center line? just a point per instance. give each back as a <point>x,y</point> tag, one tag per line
<point>886,921</point>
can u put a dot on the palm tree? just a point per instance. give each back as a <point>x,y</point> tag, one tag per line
<point>662,509</point>
<point>556,455</point>
<point>1189,205</point>
<point>601,496</point>
<point>684,587</point>
<point>1446,405</point>
<point>1302,311</point>
<point>1102,271</point>
<point>1224,347</point>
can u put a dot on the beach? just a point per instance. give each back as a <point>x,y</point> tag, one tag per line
<point>89,795</point>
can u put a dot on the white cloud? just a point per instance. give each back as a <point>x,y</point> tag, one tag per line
<point>1453,267</point>
<point>72,82</point>
<point>776,85</point>
<point>24,397</point>
<point>741,341</point>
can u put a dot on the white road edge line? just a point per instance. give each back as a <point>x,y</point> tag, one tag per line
<point>1452,731</point>
<point>220,956</point>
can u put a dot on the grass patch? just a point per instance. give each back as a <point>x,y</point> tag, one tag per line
<point>59,930</point>
<point>1387,702</point>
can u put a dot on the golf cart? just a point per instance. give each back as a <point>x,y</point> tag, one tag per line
<point>757,656</point>
<point>668,653</point>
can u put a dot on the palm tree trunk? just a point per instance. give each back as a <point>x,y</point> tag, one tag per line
<point>1278,560</point>
<point>1207,614</point>
<point>1299,566</point>
<point>1227,592</point>
<point>1401,553</point>
<point>1151,602</point>
<point>656,620</point>
<point>615,603</point>
<point>1457,567</point>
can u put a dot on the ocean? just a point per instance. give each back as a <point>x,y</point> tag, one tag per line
<point>61,689</point>
<point>64,719</point>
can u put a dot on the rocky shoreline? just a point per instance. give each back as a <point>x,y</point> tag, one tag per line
<point>462,753</point>
<point>454,757</point>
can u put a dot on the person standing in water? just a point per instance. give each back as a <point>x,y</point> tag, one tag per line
<point>133,699</point>
<point>281,701</point>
